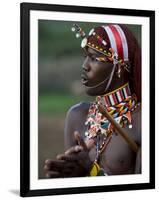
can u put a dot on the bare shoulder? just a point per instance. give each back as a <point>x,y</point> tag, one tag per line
<point>75,121</point>
<point>77,114</point>
<point>78,109</point>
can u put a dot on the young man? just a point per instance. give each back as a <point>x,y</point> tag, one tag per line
<point>112,73</point>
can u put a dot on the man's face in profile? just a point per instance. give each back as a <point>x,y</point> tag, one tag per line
<point>94,72</point>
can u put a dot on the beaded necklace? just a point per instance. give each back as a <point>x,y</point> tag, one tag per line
<point>120,104</point>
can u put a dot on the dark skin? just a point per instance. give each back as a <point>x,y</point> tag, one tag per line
<point>117,158</point>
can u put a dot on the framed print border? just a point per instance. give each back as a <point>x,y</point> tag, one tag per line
<point>25,145</point>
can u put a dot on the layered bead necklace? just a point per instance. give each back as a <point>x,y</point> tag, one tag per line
<point>120,104</point>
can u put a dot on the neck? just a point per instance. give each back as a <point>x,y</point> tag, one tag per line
<point>116,96</point>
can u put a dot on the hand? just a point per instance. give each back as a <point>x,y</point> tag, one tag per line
<point>75,162</point>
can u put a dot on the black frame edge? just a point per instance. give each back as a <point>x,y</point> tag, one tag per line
<point>86,9</point>
<point>93,189</point>
<point>152,99</point>
<point>25,100</point>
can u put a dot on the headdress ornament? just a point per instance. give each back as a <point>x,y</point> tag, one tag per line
<point>117,45</point>
<point>109,40</point>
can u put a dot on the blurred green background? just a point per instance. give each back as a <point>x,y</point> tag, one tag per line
<point>59,69</point>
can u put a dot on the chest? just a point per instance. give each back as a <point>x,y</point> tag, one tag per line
<point>117,157</point>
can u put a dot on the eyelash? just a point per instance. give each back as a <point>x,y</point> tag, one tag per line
<point>93,58</point>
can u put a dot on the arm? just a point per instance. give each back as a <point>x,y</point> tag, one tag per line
<point>138,162</point>
<point>72,162</point>
<point>75,121</point>
<point>75,162</point>
<point>137,137</point>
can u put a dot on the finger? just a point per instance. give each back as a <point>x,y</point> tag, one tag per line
<point>71,157</point>
<point>46,167</point>
<point>48,161</point>
<point>66,172</point>
<point>48,164</point>
<point>90,143</point>
<point>74,149</point>
<point>69,168</point>
<point>80,140</point>
<point>59,156</point>
<point>55,165</point>
<point>70,165</point>
<point>52,174</point>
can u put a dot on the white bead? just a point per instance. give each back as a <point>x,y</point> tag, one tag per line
<point>130,126</point>
<point>84,42</point>
<point>73,29</point>
<point>77,35</point>
<point>86,133</point>
<point>104,42</point>
<point>91,31</point>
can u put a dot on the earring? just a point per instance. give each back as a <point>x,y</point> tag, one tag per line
<point>119,71</point>
<point>127,67</point>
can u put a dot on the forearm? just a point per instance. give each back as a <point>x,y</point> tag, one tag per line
<point>138,162</point>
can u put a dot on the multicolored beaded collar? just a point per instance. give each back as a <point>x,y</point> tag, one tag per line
<point>120,104</point>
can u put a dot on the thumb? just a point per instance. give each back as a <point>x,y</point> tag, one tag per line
<point>80,140</point>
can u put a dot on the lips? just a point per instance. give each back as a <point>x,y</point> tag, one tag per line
<point>84,79</point>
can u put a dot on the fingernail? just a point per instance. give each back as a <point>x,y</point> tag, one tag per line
<point>46,167</point>
<point>47,161</point>
<point>58,157</point>
<point>47,175</point>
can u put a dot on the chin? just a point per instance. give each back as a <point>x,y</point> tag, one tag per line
<point>94,91</point>
<point>90,92</point>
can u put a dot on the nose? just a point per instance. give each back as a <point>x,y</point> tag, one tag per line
<point>86,65</point>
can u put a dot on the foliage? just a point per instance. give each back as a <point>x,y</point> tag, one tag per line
<point>57,103</point>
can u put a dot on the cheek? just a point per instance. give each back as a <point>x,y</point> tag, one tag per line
<point>101,72</point>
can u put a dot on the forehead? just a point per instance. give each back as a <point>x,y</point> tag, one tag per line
<point>93,52</point>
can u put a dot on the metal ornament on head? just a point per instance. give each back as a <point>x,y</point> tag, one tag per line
<point>111,42</point>
<point>80,33</point>
<point>78,30</point>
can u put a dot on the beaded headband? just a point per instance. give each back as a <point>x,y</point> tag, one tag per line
<point>109,40</point>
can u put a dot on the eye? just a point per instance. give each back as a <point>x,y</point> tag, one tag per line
<point>93,58</point>
<point>85,55</point>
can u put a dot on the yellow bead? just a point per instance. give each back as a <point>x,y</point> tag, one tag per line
<point>95,169</point>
